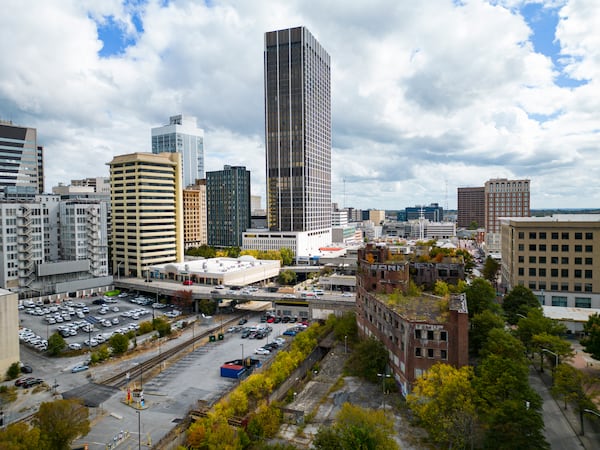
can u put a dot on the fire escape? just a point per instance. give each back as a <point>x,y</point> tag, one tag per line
<point>25,248</point>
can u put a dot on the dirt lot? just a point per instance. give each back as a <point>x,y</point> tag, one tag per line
<point>322,396</point>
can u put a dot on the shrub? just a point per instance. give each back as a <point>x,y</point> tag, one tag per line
<point>13,371</point>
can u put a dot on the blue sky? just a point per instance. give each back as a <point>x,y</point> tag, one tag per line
<point>424,94</point>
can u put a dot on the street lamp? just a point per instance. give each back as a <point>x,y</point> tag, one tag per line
<point>345,344</point>
<point>383,376</point>
<point>242,353</point>
<point>139,429</point>
<point>555,359</point>
<point>118,271</point>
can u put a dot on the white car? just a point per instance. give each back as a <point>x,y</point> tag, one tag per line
<point>115,309</point>
<point>74,346</point>
<point>262,351</point>
<point>347,294</point>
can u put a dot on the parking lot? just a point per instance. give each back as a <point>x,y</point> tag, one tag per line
<point>87,322</point>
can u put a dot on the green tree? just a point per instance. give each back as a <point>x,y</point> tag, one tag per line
<point>13,371</point>
<point>61,422</point>
<point>481,296</point>
<point>56,344</point>
<point>445,402</point>
<point>545,343</point>
<point>19,436</point>
<point>344,327</point>
<point>369,358</point>
<point>162,326</point>
<point>519,301</point>
<point>287,256</point>
<point>490,269</point>
<point>441,288</point>
<point>119,343</point>
<point>473,225</point>
<point>481,325</point>
<point>536,323</point>
<point>357,428</point>
<point>287,277</point>
<point>591,341</point>
<point>264,422</point>
<point>502,343</point>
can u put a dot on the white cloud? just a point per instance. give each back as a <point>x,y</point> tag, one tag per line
<point>424,94</point>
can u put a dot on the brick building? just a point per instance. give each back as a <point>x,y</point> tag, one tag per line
<point>417,331</point>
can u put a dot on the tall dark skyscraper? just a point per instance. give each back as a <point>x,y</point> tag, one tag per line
<point>297,131</point>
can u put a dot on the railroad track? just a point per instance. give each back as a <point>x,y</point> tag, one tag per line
<point>120,379</point>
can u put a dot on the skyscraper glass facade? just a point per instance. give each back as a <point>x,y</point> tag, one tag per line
<point>298,131</point>
<point>21,161</point>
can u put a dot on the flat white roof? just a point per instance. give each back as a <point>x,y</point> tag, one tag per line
<point>216,266</point>
<point>568,313</point>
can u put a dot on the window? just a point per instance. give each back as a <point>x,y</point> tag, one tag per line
<point>588,274</point>
<point>430,335</point>
<point>418,351</point>
<point>578,261</point>
<point>532,285</point>
<point>559,300</point>
<point>542,247</point>
<point>430,353</point>
<point>554,247</point>
<point>588,287</point>
<point>521,247</point>
<point>443,354</point>
<point>564,273</point>
<point>588,261</point>
<point>418,334</point>
<point>542,286</point>
<point>542,272</point>
<point>579,236</point>
<point>554,235</point>
<point>542,235</point>
<point>443,336</point>
<point>521,271</point>
<point>542,260</point>
<point>554,273</point>
<point>564,260</point>
<point>521,235</point>
<point>564,287</point>
<point>583,302</point>
<point>578,248</point>
<point>577,273</point>
<point>565,236</point>
<point>577,287</point>
<point>589,236</point>
<point>564,247</point>
<point>521,259</point>
<point>554,286</point>
<point>532,259</point>
<point>589,249</point>
<point>532,271</point>
<point>554,260</point>
<point>532,235</point>
<point>532,247</point>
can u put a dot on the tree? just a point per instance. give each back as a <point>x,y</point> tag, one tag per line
<point>369,358</point>
<point>536,323</point>
<point>441,288</point>
<point>500,342</point>
<point>519,301</point>
<point>473,225</point>
<point>56,344</point>
<point>344,326</point>
<point>13,371</point>
<point>555,344</point>
<point>480,296</point>
<point>591,341</point>
<point>490,269</point>
<point>287,256</point>
<point>162,326</point>
<point>61,422</point>
<point>287,277</point>
<point>19,436</point>
<point>481,325</point>
<point>357,428</point>
<point>119,343</point>
<point>445,402</point>
<point>264,422</point>
<point>184,299</point>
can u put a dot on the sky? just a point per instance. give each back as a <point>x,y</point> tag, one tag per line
<point>426,96</point>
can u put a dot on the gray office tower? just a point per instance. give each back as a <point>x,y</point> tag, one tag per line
<point>182,135</point>
<point>21,161</point>
<point>297,132</point>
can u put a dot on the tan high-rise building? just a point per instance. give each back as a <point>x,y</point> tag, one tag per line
<point>9,327</point>
<point>147,211</point>
<point>503,198</point>
<point>556,257</point>
<point>194,215</point>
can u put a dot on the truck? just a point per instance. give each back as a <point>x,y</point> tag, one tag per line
<point>235,371</point>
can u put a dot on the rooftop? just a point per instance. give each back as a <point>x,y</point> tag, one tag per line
<point>216,265</point>
<point>425,307</point>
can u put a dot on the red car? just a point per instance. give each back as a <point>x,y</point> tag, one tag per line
<point>271,319</point>
<point>188,282</point>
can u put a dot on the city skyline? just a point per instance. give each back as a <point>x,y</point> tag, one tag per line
<point>425,98</point>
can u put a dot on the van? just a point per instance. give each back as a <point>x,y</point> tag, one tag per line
<point>309,295</point>
<point>318,291</point>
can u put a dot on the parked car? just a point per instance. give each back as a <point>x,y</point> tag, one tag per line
<point>243,321</point>
<point>188,282</point>
<point>25,368</point>
<point>20,381</point>
<point>32,382</point>
<point>262,351</point>
<point>99,301</point>
<point>79,368</point>
<point>74,346</point>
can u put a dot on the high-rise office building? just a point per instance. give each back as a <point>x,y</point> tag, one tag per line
<point>182,136</point>
<point>227,205</point>
<point>503,198</point>
<point>21,161</point>
<point>298,132</point>
<point>147,212</point>
<point>194,215</point>
<point>433,212</point>
<point>471,206</point>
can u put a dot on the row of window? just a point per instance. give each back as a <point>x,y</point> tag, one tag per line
<point>431,335</point>
<point>555,287</point>
<point>554,260</point>
<point>565,235</point>
<point>555,248</point>
<point>430,353</point>
<point>554,273</point>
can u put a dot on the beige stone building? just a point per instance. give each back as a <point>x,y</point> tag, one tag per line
<point>557,257</point>
<point>9,330</point>
<point>147,211</point>
<point>194,215</point>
